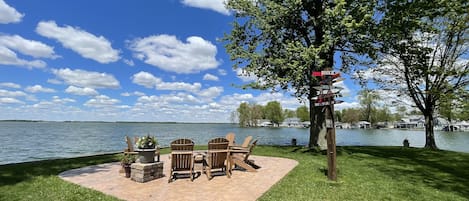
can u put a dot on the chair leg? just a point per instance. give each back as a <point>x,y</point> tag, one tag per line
<point>170,176</point>
<point>192,174</point>
<point>208,172</point>
<point>227,172</point>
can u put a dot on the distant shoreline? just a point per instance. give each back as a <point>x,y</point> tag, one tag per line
<point>151,122</point>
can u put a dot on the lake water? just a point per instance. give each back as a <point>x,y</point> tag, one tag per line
<point>30,141</point>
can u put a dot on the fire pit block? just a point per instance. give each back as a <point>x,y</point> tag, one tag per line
<point>143,172</point>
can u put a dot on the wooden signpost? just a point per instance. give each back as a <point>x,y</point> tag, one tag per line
<point>327,100</point>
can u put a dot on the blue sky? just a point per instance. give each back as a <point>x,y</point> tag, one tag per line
<point>123,61</point>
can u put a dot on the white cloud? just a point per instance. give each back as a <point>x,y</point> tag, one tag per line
<point>55,105</point>
<point>145,79</point>
<point>346,105</point>
<point>138,93</point>
<point>211,92</point>
<point>81,91</point>
<point>84,43</point>
<point>101,101</point>
<point>215,5</point>
<point>4,100</point>
<point>211,77</point>
<point>135,93</point>
<point>170,54</point>
<point>59,100</point>
<point>6,93</point>
<point>236,99</point>
<point>8,57</point>
<point>54,81</point>
<point>167,100</point>
<point>222,72</point>
<point>38,88</point>
<point>10,85</point>
<point>129,62</point>
<point>179,86</point>
<point>28,47</point>
<point>345,91</point>
<point>245,77</point>
<point>88,79</point>
<point>9,14</point>
<point>11,44</point>
<point>150,81</point>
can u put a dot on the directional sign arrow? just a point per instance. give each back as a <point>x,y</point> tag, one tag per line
<point>329,72</point>
<point>324,73</point>
<point>327,103</point>
<point>326,81</point>
<point>330,95</point>
<point>327,87</point>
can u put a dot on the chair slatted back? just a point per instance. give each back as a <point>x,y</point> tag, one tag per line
<point>251,147</point>
<point>130,145</point>
<point>231,138</point>
<point>181,154</point>
<point>246,142</point>
<point>217,152</point>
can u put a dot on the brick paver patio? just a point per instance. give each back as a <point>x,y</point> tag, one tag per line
<point>241,186</point>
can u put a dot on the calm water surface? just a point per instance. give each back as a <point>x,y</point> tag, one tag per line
<point>29,141</point>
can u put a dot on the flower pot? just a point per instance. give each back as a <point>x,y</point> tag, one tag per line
<point>127,170</point>
<point>146,155</point>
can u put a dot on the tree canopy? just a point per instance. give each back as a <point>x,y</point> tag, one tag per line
<point>273,112</point>
<point>424,50</point>
<point>283,42</point>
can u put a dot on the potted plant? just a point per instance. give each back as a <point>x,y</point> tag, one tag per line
<point>126,161</point>
<point>146,148</point>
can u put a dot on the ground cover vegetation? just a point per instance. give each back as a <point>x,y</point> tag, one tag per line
<point>365,173</point>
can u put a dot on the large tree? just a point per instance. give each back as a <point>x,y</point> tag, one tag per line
<point>424,53</point>
<point>302,113</point>
<point>283,42</point>
<point>273,112</point>
<point>351,115</point>
<point>249,114</point>
<point>368,101</point>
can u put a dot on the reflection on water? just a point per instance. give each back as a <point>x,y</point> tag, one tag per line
<point>27,141</point>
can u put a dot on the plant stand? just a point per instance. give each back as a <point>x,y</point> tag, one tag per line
<point>143,172</point>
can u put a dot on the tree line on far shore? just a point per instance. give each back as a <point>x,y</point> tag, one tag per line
<point>250,114</point>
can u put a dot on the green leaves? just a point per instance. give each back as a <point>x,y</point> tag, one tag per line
<point>282,42</point>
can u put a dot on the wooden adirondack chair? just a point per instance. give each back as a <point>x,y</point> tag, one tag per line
<point>242,159</point>
<point>246,142</point>
<point>231,139</point>
<point>181,157</point>
<point>130,146</point>
<point>217,156</point>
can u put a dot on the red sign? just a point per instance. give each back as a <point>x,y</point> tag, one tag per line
<point>324,73</point>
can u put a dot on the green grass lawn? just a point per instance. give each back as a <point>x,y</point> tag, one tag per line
<point>364,173</point>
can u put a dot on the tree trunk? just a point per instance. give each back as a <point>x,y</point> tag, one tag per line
<point>429,133</point>
<point>317,129</point>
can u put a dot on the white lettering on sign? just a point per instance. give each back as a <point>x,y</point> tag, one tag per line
<point>329,72</point>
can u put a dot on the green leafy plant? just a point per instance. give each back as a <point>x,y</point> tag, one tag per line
<point>127,159</point>
<point>147,142</point>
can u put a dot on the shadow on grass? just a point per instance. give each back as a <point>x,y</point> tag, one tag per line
<point>442,170</point>
<point>11,174</point>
